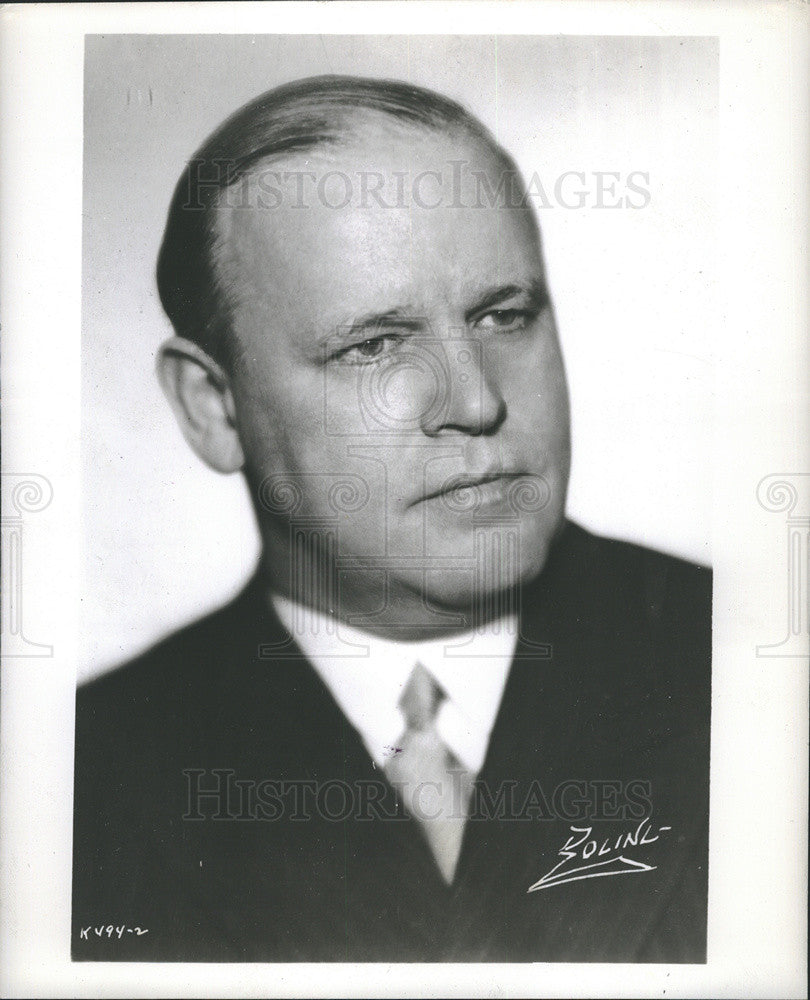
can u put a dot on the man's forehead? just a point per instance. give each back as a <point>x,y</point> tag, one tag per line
<point>386,189</point>
<point>406,253</point>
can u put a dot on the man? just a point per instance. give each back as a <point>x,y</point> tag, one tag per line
<point>440,716</point>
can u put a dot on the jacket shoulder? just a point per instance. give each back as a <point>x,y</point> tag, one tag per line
<point>654,611</point>
<point>666,588</point>
<point>166,658</point>
<point>179,683</point>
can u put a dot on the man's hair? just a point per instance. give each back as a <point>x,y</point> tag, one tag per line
<point>290,119</point>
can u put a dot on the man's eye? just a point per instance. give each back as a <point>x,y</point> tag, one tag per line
<point>505,320</point>
<point>368,351</point>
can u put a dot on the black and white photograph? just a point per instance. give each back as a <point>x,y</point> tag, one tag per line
<point>403,614</point>
<point>442,721</point>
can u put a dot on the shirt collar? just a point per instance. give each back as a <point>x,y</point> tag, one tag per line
<point>367,674</point>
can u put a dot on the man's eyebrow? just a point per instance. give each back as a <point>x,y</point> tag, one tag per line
<point>535,290</point>
<point>373,323</point>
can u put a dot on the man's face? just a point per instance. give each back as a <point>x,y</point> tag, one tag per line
<point>400,386</point>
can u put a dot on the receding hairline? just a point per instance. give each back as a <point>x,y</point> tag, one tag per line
<point>309,112</point>
<point>358,130</point>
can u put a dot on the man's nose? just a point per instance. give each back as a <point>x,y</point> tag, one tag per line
<point>469,399</point>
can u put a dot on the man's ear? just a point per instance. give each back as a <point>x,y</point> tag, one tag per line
<point>200,396</point>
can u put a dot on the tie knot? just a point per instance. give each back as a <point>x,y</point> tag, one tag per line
<point>421,698</point>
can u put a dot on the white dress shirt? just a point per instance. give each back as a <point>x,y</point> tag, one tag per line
<point>366,676</point>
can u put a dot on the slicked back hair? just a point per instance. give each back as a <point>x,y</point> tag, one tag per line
<point>293,118</point>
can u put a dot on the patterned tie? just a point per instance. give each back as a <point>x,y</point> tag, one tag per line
<point>435,787</point>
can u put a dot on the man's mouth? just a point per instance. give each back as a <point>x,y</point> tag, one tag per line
<point>462,491</point>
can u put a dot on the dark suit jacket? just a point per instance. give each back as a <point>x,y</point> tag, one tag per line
<point>604,722</point>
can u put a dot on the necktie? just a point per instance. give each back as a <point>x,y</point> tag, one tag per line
<point>434,786</point>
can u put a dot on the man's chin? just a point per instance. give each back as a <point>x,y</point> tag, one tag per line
<point>499,595</point>
<point>496,581</point>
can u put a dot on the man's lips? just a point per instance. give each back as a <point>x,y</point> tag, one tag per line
<point>455,484</point>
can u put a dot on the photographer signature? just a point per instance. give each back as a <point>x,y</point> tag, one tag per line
<point>608,855</point>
